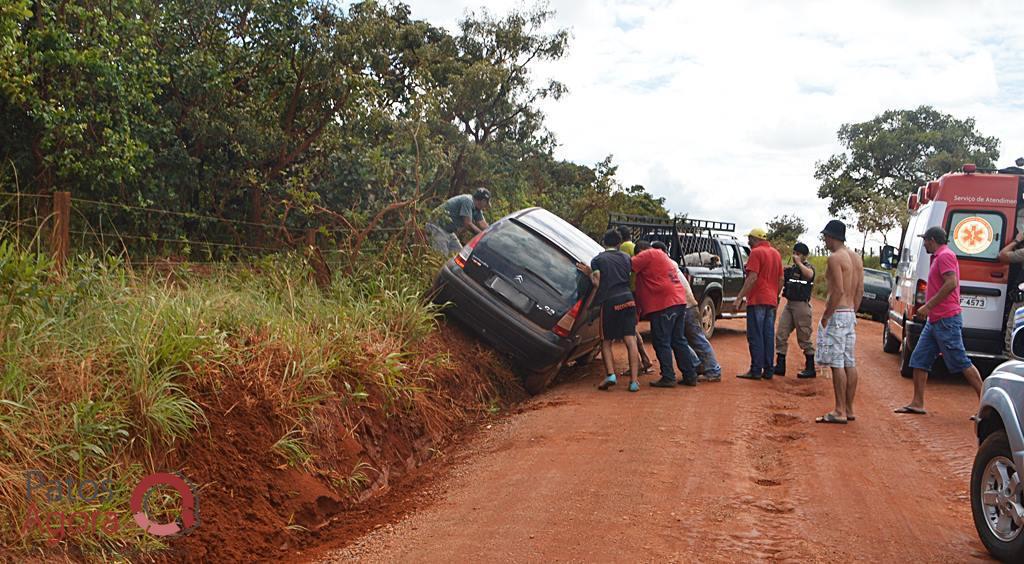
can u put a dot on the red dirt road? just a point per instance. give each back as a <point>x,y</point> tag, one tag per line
<point>736,471</point>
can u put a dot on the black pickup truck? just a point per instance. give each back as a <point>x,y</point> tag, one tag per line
<point>712,259</point>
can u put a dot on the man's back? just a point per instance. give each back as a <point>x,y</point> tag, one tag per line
<point>850,286</point>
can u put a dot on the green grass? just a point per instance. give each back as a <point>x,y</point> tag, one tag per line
<point>102,368</point>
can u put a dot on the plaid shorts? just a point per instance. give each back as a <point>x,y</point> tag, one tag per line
<point>836,342</point>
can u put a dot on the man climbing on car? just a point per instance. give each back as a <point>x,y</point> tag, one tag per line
<point>463,213</point>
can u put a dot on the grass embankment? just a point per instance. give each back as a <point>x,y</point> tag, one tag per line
<point>268,394</point>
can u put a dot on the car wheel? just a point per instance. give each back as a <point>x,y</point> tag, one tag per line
<point>905,353</point>
<point>997,499</point>
<point>707,316</point>
<point>536,381</point>
<point>890,344</point>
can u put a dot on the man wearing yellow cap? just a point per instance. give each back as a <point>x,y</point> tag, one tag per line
<point>760,294</point>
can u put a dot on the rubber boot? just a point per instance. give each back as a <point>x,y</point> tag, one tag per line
<point>780,365</point>
<point>809,371</point>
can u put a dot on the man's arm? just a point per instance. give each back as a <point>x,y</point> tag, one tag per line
<point>834,275</point>
<point>1008,255</point>
<point>595,278</point>
<point>482,224</point>
<point>805,270</point>
<point>748,284</point>
<point>467,223</point>
<point>859,291</point>
<point>949,283</point>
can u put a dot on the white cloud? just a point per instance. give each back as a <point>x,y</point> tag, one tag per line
<point>724,107</point>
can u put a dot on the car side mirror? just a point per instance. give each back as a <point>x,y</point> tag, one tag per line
<point>1017,342</point>
<point>889,257</point>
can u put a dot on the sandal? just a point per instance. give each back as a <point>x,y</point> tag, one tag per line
<point>910,410</point>
<point>830,418</point>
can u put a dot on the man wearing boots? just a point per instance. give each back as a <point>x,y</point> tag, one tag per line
<point>799,282</point>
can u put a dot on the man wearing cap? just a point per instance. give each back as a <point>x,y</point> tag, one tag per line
<point>797,313</point>
<point>760,294</point>
<point>463,213</point>
<point>837,331</point>
<point>943,332</point>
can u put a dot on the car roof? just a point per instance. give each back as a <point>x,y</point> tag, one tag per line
<point>560,232</point>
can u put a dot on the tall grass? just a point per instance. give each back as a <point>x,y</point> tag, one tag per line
<point>99,370</point>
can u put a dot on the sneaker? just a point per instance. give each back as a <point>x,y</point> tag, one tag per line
<point>634,386</point>
<point>691,382</point>
<point>662,383</point>
<point>713,377</point>
<point>608,382</point>
<point>750,375</point>
<point>768,373</point>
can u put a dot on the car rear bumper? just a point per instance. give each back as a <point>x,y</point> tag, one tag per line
<point>506,330</point>
<point>875,306</point>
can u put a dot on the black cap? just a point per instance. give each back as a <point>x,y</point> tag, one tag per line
<point>801,248</point>
<point>936,234</point>
<point>482,194</point>
<point>835,229</point>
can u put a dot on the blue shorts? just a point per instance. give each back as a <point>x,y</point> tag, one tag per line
<point>943,336</point>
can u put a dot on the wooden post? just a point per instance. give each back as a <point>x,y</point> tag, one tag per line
<point>310,237</point>
<point>60,239</point>
<point>321,272</point>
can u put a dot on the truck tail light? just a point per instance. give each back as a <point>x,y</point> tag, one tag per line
<point>564,326</point>
<point>463,256</point>
<point>919,296</point>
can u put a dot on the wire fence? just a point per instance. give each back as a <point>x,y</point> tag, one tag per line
<point>147,235</point>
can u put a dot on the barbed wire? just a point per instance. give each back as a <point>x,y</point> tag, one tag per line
<point>178,241</point>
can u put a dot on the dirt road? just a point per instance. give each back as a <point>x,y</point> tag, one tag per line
<point>736,471</point>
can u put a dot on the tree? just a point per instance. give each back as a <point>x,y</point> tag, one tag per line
<point>889,157</point>
<point>785,230</point>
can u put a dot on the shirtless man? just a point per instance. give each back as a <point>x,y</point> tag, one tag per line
<point>837,332</point>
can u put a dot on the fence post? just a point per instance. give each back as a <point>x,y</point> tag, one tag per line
<point>60,239</point>
<point>310,237</point>
<point>321,272</point>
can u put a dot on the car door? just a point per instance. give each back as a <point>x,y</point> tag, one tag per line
<point>732,270</point>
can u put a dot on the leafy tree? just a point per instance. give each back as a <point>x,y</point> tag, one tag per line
<point>889,157</point>
<point>785,230</point>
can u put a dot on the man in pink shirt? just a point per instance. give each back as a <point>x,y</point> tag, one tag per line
<point>943,332</point>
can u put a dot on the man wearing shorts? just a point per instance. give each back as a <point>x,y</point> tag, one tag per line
<point>609,271</point>
<point>943,332</point>
<point>837,331</point>
<point>460,213</point>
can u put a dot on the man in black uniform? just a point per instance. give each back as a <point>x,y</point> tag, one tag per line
<point>799,283</point>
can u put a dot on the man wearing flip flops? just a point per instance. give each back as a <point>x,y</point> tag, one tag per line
<point>943,332</point>
<point>837,331</point>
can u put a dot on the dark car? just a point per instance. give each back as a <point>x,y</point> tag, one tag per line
<point>877,287</point>
<point>517,286</point>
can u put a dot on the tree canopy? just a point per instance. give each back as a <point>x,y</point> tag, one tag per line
<point>267,111</point>
<point>888,157</point>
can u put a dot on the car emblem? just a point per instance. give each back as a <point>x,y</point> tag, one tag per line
<point>519,278</point>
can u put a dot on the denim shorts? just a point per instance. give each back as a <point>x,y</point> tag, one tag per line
<point>943,336</point>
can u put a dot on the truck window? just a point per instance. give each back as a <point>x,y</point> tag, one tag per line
<point>729,256</point>
<point>744,255</point>
<point>975,234</point>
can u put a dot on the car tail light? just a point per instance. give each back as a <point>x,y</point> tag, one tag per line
<point>970,168</point>
<point>919,296</point>
<point>463,256</point>
<point>912,202</point>
<point>564,326</point>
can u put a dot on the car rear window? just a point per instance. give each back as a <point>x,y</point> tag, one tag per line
<point>975,234</point>
<point>877,278</point>
<point>523,249</point>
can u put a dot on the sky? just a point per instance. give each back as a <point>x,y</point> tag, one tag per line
<point>723,108</point>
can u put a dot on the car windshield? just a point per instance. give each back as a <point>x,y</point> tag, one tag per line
<point>526,252</point>
<point>879,278</point>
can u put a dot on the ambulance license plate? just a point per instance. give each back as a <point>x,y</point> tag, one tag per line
<point>973,302</point>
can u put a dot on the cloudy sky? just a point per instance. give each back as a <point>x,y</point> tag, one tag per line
<point>724,107</point>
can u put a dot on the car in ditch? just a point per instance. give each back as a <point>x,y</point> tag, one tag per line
<point>877,288</point>
<point>997,488</point>
<point>517,287</point>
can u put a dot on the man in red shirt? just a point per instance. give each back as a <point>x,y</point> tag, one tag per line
<point>661,298</point>
<point>943,332</point>
<point>761,294</point>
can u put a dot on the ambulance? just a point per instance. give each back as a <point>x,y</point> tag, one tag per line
<point>979,209</point>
